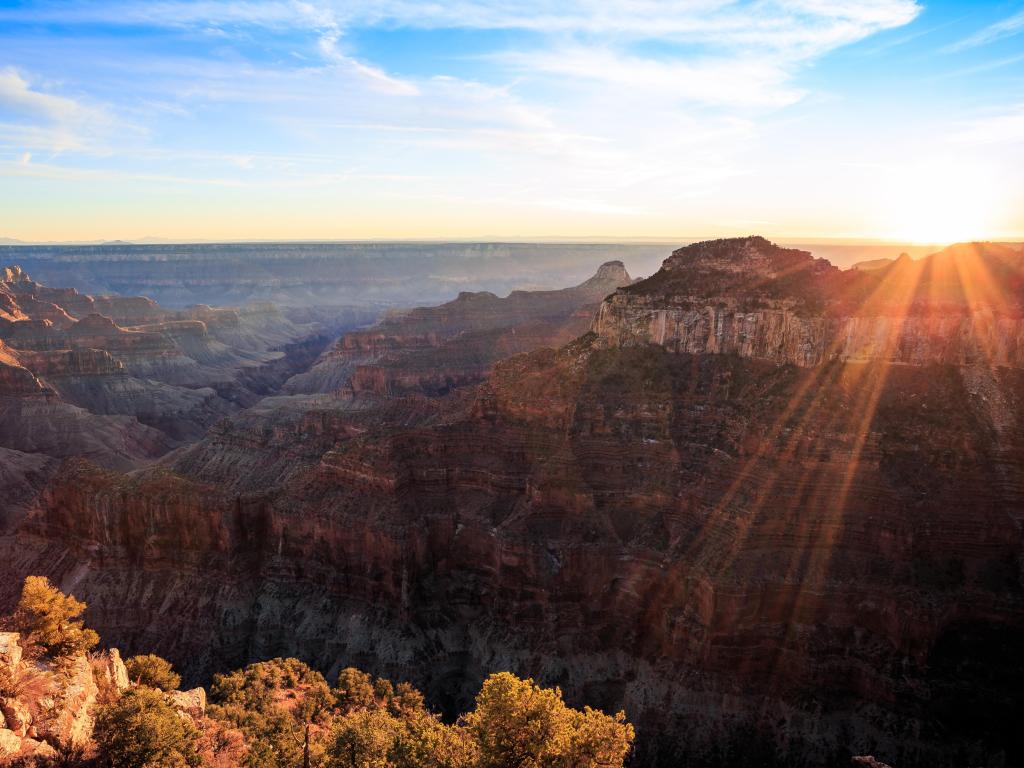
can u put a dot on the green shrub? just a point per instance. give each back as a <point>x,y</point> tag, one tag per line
<point>354,690</point>
<point>516,722</point>
<point>272,703</point>
<point>143,730</point>
<point>153,671</point>
<point>285,709</point>
<point>50,620</point>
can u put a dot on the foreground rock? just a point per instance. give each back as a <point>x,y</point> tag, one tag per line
<point>46,705</point>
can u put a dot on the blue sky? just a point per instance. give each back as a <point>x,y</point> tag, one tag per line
<point>476,118</point>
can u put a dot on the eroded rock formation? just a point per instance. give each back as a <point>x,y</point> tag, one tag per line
<point>769,543</point>
<point>432,350</point>
<point>122,380</point>
<point>749,297</point>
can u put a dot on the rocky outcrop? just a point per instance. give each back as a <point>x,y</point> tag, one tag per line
<point>122,380</point>
<point>109,668</point>
<point>10,651</point>
<point>749,297</point>
<point>65,713</point>
<point>10,743</point>
<point>192,702</point>
<point>16,715</point>
<point>432,350</point>
<point>48,704</point>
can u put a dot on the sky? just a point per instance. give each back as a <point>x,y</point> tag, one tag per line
<point>675,119</point>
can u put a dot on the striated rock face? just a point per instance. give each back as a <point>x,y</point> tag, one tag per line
<point>48,426</point>
<point>749,297</point>
<point>766,554</point>
<point>65,714</point>
<point>122,380</point>
<point>433,350</point>
<point>15,378</point>
<point>638,527</point>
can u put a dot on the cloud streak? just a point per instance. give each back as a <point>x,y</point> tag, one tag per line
<point>1003,128</point>
<point>1008,27</point>
<point>602,108</point>
<point>16,94</point>
<point>49,121</point>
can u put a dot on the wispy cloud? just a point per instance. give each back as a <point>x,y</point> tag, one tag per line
<point>1008,27</point>
<point>18,95</point>
<point>716,51</point>
<point>606,108</point>
<point>741,81</point>
<point>330,31</point>
<point>56,122</point>
<point>1003,128</point>
<point>731,21</point>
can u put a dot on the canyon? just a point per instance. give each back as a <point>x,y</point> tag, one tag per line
<point>434,349</point>
<point>770,508</point>
<point>122,380</point>
<point>323,278</point>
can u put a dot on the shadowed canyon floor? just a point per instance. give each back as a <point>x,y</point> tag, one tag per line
<point>770,508</point>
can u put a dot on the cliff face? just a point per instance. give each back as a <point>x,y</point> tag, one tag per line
<point>767,556</point>
<point>435,349</point>
<point>752,568</point>
<point>121,379</point>
<point>751,298</point>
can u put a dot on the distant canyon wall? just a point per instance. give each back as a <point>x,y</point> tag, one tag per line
<point>785,336</point>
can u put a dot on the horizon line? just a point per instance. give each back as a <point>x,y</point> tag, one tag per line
<point>496,239</point>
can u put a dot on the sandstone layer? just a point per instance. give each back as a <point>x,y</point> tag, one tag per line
<point>723,510</point>
<point>122,380</point>
<point>432,350</point>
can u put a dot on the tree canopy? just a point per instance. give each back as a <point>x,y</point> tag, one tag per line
<point>153,671</point>
<point>50,620</point>
<point>143,730</point>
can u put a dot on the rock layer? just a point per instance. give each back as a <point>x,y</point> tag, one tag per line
<point>122,380</point>
<point>766,552</point>
<point>433,350</point>
<point>754,299</point>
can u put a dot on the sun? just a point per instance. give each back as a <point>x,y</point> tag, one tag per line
<point>938,204</point>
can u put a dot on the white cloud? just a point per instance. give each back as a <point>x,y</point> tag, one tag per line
<point>17,95</point>
<point>1004,128</point>
<point>809,24</point>
<point>1008,27</point>
<point>747,52</point>
<point>48,120</point>
<point>579,115</point>
<point>742,81</point>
